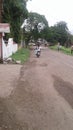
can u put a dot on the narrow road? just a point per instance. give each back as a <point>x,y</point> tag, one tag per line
<point>40,96</point>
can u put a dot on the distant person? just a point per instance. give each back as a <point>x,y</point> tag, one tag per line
<point>58,46</point>
<point>71,49</point>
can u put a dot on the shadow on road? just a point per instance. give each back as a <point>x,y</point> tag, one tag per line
<point>64,88</point>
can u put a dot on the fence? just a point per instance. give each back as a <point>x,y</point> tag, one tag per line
<point>9,48</point>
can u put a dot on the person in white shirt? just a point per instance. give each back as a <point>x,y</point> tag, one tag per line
<point>37,50</point>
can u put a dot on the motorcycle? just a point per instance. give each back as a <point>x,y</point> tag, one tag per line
<point>37,51</point>
<point>38,54</point>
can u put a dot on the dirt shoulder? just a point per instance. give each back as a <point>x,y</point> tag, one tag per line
<point>8,75</point>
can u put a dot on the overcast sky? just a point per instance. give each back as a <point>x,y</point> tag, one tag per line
<point>54,10</point>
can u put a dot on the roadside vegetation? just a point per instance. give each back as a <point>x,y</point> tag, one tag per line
<point>21,55</point>
<point>62,49</point>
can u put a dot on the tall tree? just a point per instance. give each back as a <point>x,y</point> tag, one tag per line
<point>59,33</point>
<point>62,31</point>
<point>14,12</point>
<point>35,24</point>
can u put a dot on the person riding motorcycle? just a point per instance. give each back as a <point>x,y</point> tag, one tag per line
<point>38,51</point>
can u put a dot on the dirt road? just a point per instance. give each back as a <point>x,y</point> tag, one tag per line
<point>39,94</point>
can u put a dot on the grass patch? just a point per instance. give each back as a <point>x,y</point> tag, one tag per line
<point>53,47</point>
<point>21,55</point>
<point>62,49</point>
<point>66,50</point>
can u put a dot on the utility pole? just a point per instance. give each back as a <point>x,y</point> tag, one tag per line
<point>1,10</point>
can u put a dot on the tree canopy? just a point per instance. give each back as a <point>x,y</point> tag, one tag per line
<point>59,33</point>
<point>36,25</point>
<point>14,13</point>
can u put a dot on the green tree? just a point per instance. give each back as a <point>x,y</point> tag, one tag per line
<point>61,32</point>
<point>35,24</point>
<point>14,13</point>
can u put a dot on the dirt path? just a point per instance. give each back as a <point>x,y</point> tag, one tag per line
<point>42,96</point>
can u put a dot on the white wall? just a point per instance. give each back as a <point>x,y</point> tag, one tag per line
<point>8,49</point>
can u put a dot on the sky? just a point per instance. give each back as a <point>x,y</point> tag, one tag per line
<point>54,11</point>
